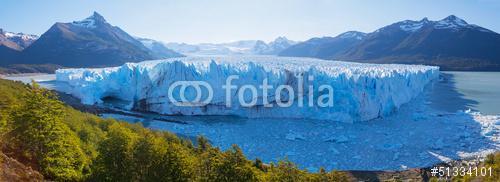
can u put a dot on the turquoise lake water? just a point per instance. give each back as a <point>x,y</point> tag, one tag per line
<point>479,91</point>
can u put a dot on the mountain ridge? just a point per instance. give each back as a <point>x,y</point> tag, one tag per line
<point>11,45</point>
<point>91,42</point>
<point>242,47</point>
<point>325,46</point>
<point>451,43</point>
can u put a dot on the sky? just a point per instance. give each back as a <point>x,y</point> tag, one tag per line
<point>197,21</point>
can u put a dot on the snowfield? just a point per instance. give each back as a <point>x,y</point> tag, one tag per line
<point>360,91</point>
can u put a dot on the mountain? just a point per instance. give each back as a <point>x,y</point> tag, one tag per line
<point>230,48</point>
<point>8,55</point>
<point>158,48</point>
<point>243,47</point>
<point>324,47</point>
<point>451,43</point>
<point>9,50</point>
<point>274,47</point>
<point>183,47</point>
<point>91,42</point>
<point>17,41</point>
<point>11,45</point>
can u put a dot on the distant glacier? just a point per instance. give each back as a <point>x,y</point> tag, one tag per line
<point>360,91</point>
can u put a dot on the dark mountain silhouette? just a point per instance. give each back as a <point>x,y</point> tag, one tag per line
<point>450,43</point>
<point>325,47</point>
<point>92,42</point>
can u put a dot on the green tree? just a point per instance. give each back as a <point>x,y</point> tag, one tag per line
<point>207,160</point>
<point>46,141</point>
<point>3,125</point>
<point>155,159</point>
<point>146,153</point>
<point>115,159</point>
<point>230,165</point>
<point>285,171</point>
<point>235,167</point>
<point>325,176</point>
<point>203,144</point>
<point>172,165</point>
<point>259,164</point>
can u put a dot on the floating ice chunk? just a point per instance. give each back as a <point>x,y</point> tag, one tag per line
<point>440,157</point>
<point>290,153</point>
<point>419,116</point>
<point>312,169</point>
<point>403,167</point>
<point>333,151</point>
<point>294,136</point>
<point>395,156</point>
<point>337,139</point>
<point>439,144</point>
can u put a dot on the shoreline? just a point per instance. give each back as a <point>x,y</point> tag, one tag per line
<point>23,74</point>
<point>74,102</point>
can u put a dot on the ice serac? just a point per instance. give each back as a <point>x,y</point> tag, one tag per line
<point>361,91</point>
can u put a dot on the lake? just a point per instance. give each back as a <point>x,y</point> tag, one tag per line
<point>479,91</point>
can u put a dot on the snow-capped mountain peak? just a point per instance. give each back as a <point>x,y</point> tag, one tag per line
<point>273,47</point>
<point>244,47</point>
<point>281,42</point>
<point>19,35</point>
<point>25,37</point>
<point>91,21</point>
<point>17,41</point>
<point>158,48</point>
<point>98,17</point>
<point>455,19</point>
<point>412,26</point>
<point>147,42</point>
<point>353,34</point>
<point>452,22</point>
<point>282,39</point>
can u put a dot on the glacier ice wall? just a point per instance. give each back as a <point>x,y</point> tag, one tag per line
<point>361,91</point>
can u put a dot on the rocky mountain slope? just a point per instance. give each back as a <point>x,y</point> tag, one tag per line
<point>451,43</point>
<point>11,45</point>
<point>92,42</point>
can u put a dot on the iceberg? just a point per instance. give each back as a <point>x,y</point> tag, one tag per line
<point>360,91</point>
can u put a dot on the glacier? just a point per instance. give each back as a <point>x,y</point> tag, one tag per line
<point>361,91</point>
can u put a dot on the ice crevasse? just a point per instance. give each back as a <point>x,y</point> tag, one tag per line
<point>360,91</point>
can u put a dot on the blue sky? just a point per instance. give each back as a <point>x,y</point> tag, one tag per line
<point>195,21</point>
